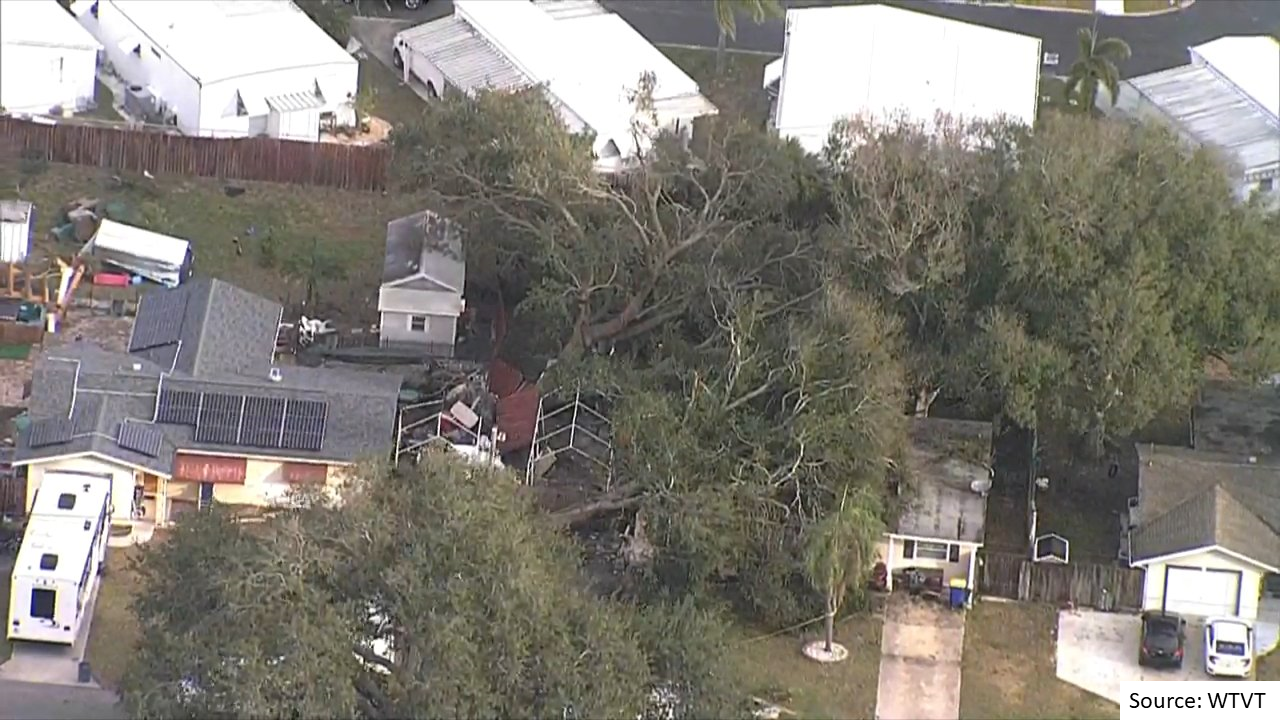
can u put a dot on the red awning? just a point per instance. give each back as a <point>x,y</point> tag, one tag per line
<point>209,469</point>
<point>305,473</point>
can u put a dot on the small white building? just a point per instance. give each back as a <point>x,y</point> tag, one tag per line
<point>1227,97</point>
<point>515,44</point>
<point>47,60</point>
<point>159,258</point>
<point>876,60</point>
<point>423,274</point>
<point>227,68</point>
<point>62,551</point>
<point>17,229</point>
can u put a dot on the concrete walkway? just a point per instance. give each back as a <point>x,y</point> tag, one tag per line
<point>920,653</point>
<point>26,701</point>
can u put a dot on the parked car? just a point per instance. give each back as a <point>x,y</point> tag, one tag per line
<point>1163,638</point>
<point>1228,647</point>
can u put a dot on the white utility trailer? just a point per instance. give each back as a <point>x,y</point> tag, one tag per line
<point>63,548</point>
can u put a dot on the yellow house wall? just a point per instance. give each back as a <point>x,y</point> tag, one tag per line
<point>1250,580</point>
<point>122,481</point>
<point>264,485</point>
<point>950,570</point>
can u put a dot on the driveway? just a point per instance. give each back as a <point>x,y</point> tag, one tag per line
<point>1097,651</point>
<point>920,653</point>
<point>377,35</point>
<point>49,664</point>
<point>26,701</point>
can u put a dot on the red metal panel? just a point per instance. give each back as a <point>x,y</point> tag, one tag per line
<point>305,473</point>
<point>111,279</point>
<point>517,417</point>
<point>209,469</point>
<point>504,379</point>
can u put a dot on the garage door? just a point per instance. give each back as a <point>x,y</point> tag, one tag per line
<point>1201,591</point>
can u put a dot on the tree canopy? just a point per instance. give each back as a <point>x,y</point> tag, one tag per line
<point>432,593</point>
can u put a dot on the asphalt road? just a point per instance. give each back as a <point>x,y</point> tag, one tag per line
<point>1158,42</point>
<point>35,701</point>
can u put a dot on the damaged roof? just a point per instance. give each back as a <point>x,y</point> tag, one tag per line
<point>207,338</point>
<point>427,246</point>
<point>945,458</point>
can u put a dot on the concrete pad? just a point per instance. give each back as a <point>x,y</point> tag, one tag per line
<point>920,652</point>
<point>1097,651</point>
<point>24,701</point>
<point>1266,631</point>
<point>378,38</point>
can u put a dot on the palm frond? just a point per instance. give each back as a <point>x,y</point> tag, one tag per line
<point>1113,48</point>
<point>725,18</point>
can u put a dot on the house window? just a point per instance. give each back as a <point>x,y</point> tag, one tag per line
<point>1266,184</point>
<point>922,550</point>
<point>418,323</point>
<point>43,602</point>
<point>66,501</point>
<point>48,561</point>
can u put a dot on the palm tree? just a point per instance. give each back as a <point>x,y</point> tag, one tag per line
<point>839,549</point>
<point>726,17</point>
<point>1095,67</point>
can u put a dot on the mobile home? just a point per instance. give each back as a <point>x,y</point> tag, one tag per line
<point>61,556</point>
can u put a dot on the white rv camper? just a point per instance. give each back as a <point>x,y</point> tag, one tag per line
<point>61,556</point>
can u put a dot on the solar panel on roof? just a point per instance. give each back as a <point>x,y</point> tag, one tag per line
<point>159,320</point>
<point>178,407</point>
<point>219,420</point>
<point>263,422</point>
<point>49,431</point>
<point>304,425</point>
<point>140,437</point>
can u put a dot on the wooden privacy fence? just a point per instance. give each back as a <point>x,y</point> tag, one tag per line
<point>1018,578</point>
<point>351,167</point>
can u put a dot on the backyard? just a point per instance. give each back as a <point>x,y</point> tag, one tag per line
<point>777,673</point>
<point>1009,668</point>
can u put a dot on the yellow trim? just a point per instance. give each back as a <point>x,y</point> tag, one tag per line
<point>96,456</point>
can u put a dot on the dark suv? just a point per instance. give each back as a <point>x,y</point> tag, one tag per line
<point>1163,637</point>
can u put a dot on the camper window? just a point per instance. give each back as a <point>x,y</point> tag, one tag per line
<point>48,561</point>
<point>67,501</point>
<point>42,603</point>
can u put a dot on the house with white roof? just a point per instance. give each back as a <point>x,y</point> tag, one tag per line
<point>227,68</point>
<point>880,61</point>
<point>1227,97</point>
<point>47,60</point>
<point>515,44</point>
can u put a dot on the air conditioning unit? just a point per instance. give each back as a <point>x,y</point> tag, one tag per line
<point>139,102</point>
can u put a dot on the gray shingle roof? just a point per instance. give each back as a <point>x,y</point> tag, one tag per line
<point>1189,499</point>
<point>945,457</point>
<point>425,245</point>
<point>224,348</point>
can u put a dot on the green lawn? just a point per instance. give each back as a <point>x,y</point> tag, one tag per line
<point>106,104</point>
<point>276,226</point>
<point>390,99</point>
<point>1009,668</point>
<point>115,630</point>
<point>778,673</point>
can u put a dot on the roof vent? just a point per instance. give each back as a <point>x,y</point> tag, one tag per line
<point>1253,459</point>
<point>137,367</point>
<point>275,374</point>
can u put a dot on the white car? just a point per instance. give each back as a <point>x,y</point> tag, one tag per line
<point>1228,647</point>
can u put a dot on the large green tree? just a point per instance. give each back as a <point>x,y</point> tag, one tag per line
<point>1097,66</point>
<point>727,20</point>
<point>406,601</point>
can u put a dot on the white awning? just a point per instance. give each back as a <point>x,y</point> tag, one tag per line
<point>294,102</point>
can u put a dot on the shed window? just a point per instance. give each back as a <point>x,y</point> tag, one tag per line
<point>67,501</point>
<point>921,550</point>
<point>931,551</point>
<point>418,323</point>
<point>48,561</point>
<point>43,602</point>
<point>1266,184</point>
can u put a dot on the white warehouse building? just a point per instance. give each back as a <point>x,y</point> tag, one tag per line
<point>227,68</point>
<point>880,61</point>
<point>47,60</point>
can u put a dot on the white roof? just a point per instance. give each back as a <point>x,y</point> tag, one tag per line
<point>878,60</point>
<point>1207,109</point>
<point>44,23</point>
<point>553,45</point>
<point>66,539</point>
<point>215,40</point>
<point>1250,63</point>
<point>88,495</point>
<point>118,237</point>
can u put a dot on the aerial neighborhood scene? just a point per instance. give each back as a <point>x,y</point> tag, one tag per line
<point>660,359</point>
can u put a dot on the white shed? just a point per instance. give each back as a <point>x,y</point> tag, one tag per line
<point>17,227</point>
<point>47,61</point>
<point>423,274</point>
<point>159,258</point>
<point>228,68</point>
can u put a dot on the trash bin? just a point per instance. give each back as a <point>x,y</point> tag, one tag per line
<point>85,675</point>
<point>959,593</point>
